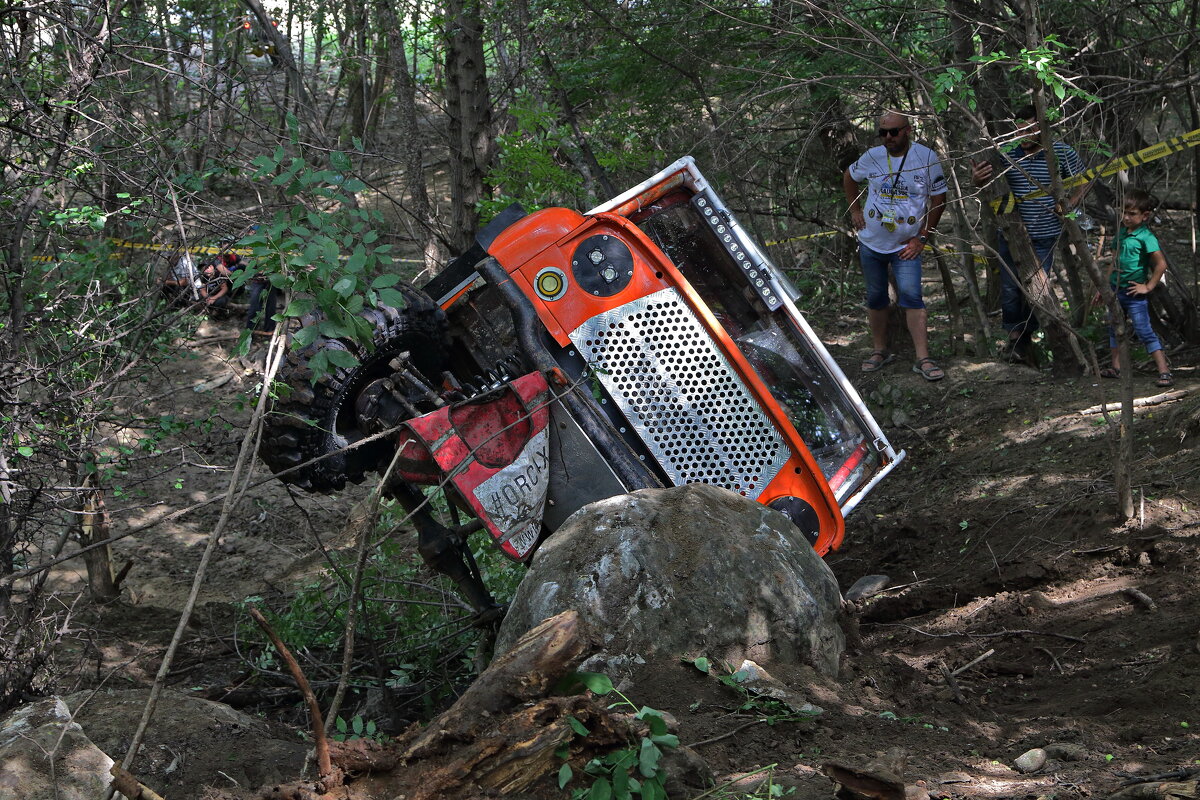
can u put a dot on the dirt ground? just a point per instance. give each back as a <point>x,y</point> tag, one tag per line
<point>1020,611</point>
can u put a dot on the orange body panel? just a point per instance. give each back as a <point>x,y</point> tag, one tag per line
<point>548,238</point>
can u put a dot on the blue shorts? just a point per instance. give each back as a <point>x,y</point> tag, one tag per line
<point>875,270</point>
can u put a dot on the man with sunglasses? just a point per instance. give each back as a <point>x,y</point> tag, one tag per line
<point>905,197</point>
<point>1027,170</point>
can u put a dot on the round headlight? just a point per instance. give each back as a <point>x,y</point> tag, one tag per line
<point>550,283</point>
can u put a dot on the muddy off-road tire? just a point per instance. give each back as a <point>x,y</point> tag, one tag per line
<point>310,420</point>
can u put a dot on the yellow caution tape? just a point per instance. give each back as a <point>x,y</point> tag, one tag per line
<point>1008,203</point>
<point>805,236</point>
<point>199,249</point>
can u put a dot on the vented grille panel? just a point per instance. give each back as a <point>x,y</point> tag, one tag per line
<point>680,394</point>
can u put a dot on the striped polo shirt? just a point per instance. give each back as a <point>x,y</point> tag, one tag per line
<point>1038,214</point>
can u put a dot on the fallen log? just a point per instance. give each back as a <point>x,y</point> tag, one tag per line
<point>1140,402</point>
<point>1165,790</point>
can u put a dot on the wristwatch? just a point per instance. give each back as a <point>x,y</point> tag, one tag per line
<point>922,238</point>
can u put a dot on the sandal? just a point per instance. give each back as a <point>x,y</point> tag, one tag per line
<point>1164,380</point>
<point>877,360</point>
<point>928,369</point>
<point>1110,372</point>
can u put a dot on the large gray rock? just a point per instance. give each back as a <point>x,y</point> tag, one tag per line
<point>694,570</point>
<point>27,738</point>
<point>191,743</point>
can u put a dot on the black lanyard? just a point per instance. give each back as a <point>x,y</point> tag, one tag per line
<point>898,171</point>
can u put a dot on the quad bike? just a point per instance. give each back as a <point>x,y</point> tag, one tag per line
<point>569,358</point>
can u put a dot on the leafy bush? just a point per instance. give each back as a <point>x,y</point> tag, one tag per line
<point>630,770</point>
<point>411,623</point>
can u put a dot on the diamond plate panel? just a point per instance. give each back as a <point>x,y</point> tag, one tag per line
<point>679,393</point>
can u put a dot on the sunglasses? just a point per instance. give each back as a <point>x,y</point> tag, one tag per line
<point>892,131</point>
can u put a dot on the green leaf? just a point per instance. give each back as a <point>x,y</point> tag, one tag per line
<point>340,161</point>
<point>648,756</point>
<point>306,335</point>
<point>701,664</point>
<point>345,287</point>
<point>357,260</point>
<point>334,329</point>
<point>620,782</point>
<point>391,297</point>
<point>26,451</point>
<point>340,358</point>
<point>299,307</point>
<point>654,719</point>
<point>358,725</point>
<point>319,364</point>
<point>601,790</point>
<point>364,331</point>
<point>594,681</point>
<point>653,790</point>
<point>340,725</point>
<point>565,773</point>
<point>354,185</point>
<point>578,726</point>
<point>386,281</point>
<point>666,740</point>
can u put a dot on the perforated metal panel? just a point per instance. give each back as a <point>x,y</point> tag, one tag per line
<point>682,397</point>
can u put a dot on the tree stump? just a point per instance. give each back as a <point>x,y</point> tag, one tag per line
<point>506,733</point>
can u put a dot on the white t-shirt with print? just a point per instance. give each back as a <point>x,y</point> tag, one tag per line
<point>899,188</point>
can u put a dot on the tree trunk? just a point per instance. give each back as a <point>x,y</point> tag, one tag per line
<point>593,173</point>
<point>93,528</point>
<point>1059,336</point>
<point>425,228</point>
<point>468,108</point>
<point>1123,462</point>
<point>283,51</point>
<point>982,331</point>
<point>1123,441</point>
<point>8,537</point>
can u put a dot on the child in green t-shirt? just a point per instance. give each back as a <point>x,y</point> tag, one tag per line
<point>1138,267</point>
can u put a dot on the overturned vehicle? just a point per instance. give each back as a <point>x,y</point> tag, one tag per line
<point>573,357</point>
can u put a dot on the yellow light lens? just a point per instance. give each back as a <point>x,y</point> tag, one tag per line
<point>549,284</point>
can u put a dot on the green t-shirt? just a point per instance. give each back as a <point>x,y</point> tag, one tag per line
<point>1133,256</point>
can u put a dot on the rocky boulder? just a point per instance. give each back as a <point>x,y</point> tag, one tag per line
<point>191,743</point>
<point>692,570</point>
<point>29,736</point>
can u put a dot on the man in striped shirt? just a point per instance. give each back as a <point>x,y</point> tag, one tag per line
<point>1027,170</point>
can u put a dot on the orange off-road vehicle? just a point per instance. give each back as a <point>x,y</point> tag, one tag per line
<point>573,357</point>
